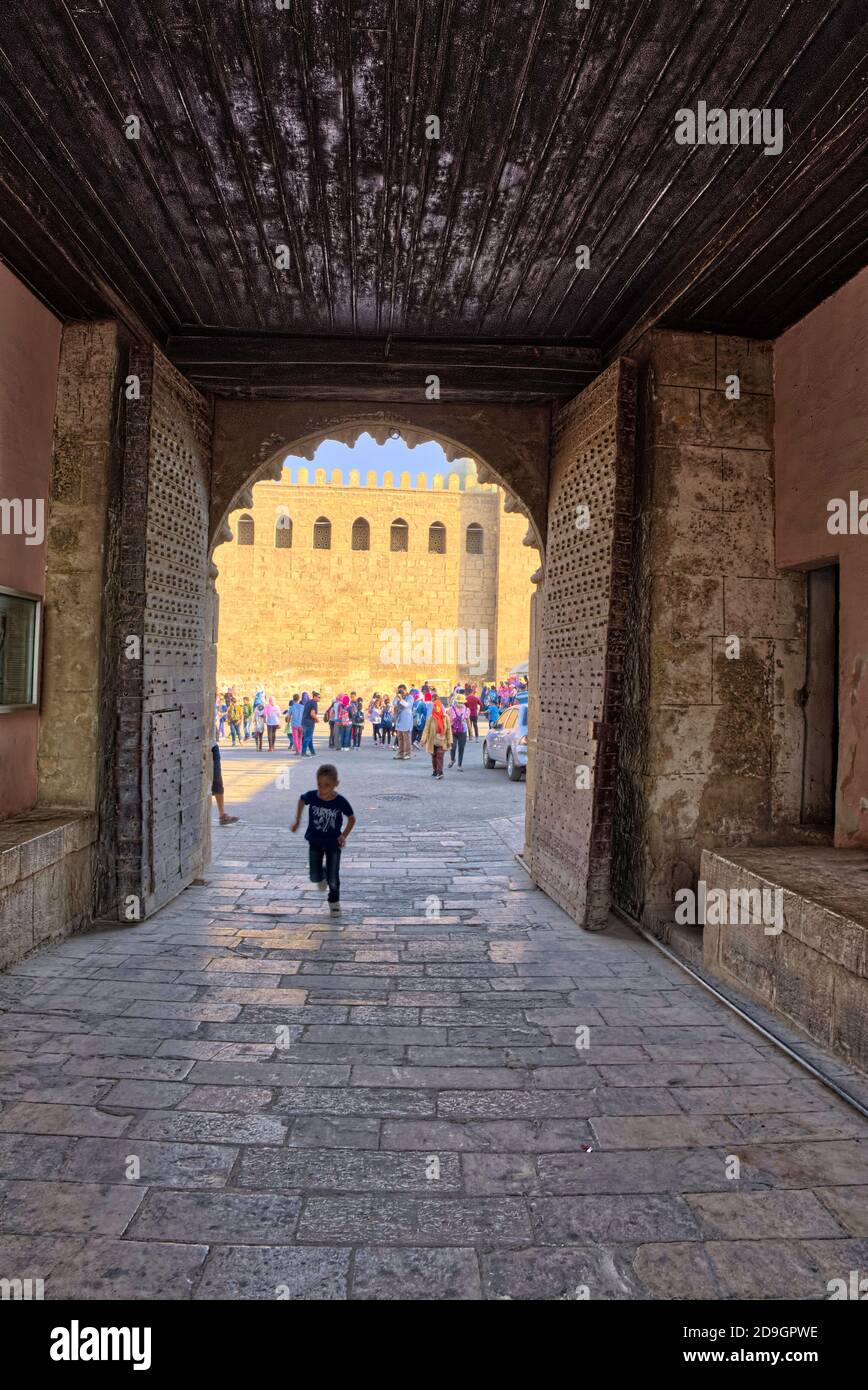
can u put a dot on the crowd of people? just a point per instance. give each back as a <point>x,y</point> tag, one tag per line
<point>417,719</point>
<point>411,719</point>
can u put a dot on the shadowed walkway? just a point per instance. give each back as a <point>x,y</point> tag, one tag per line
<point>245,1098</point>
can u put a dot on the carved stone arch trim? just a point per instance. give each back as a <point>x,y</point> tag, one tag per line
<point>509,442</point>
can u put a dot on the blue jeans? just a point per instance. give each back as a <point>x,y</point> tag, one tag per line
<point>346,735</point>
<point>307,739</point>
<point>332,869</point>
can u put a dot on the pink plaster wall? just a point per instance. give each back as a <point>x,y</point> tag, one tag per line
<point>29,354</point>
<point>821,452</point>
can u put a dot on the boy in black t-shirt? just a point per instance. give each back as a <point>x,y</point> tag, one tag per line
<point>325,834</point>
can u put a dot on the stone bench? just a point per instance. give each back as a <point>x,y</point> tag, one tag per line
<point>45,878</point>
<point>814,972</point>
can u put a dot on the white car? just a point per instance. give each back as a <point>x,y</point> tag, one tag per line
<point>507,742</point>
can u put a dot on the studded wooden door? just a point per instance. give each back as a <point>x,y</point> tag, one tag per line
<point>581,636</point>
<point>164,741</point>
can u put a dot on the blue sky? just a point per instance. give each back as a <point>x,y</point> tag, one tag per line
<point>369,456</point>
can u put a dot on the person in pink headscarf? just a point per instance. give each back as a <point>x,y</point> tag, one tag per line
<point>345,723</point>
<point>272,721</point>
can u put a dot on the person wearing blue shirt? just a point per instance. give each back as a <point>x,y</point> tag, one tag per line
<point>325,834</point>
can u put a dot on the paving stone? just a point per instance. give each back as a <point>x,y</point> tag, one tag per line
<point>664,1131</point>
<point>208,1127</point>
<point>231,1098</point>
<point>37,1256</point>
<point>764,1269</point>
<point>282,1272</point>
<point>28,1117</point>
<point>417,1275</point>
<point>676,1270</point>
<point>497,1136</point>
<point>849,1206</point>
<point>127,1269</point>
<point>336,1100</point>
<point>833,1162</point>
<point>220,1218</point>
<point>146,1095</point>
<point>355,1170</point>
<point>583,1272</point>
<point>651,1217</point>
<point>657,1170</point>
<point>335,1132</point>
<point>762,1215</point>
<point>438,1077</point>
<point>143,1068</point>
<point>834,1123</point>
<point>160,1164</point>
<point>74,1208</point>
<point>39,1156</point>
<point>267,1074</point>
<point>421,1221</point>
<point>58,1092</point>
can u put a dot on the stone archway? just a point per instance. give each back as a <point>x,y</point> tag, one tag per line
<point>511,444</point>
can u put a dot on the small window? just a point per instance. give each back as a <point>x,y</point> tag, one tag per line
<point>437,538</point>
<point>246,530</point>
<point>509,719</point>
<point>283,532</point>
<point>474,539</point>
<point>399,536</point>
<point>322,533</point>
<point>361,534</point>
<point>20,616</point>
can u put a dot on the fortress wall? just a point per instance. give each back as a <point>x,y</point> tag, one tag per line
<point>514,589</point>
<point>298,618</point>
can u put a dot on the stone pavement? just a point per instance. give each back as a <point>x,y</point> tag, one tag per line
<point>244,1098</point>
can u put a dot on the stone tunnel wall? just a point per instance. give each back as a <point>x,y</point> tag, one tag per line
<point>711,753</point>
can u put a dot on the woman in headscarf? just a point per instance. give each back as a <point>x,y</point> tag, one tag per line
<point>258,725</point>
<point>458,718</point>
<point>345,723</point>
<point>332,718</point>
<point>438,735</point>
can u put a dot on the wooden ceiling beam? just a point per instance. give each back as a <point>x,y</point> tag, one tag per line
<point>323,367</point>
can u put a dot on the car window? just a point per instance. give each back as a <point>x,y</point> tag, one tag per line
<point>509,719</point>
<point>523,718</point>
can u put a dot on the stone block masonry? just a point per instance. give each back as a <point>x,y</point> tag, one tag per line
<point>712,755</point>
<point>814,970</point>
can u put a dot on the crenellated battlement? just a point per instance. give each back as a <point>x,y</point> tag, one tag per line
<point>456,480</point>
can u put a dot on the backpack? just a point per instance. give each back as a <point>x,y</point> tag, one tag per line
<point>387,719</point>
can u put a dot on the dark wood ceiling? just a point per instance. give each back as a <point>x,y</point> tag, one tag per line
<point>306,127</point>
